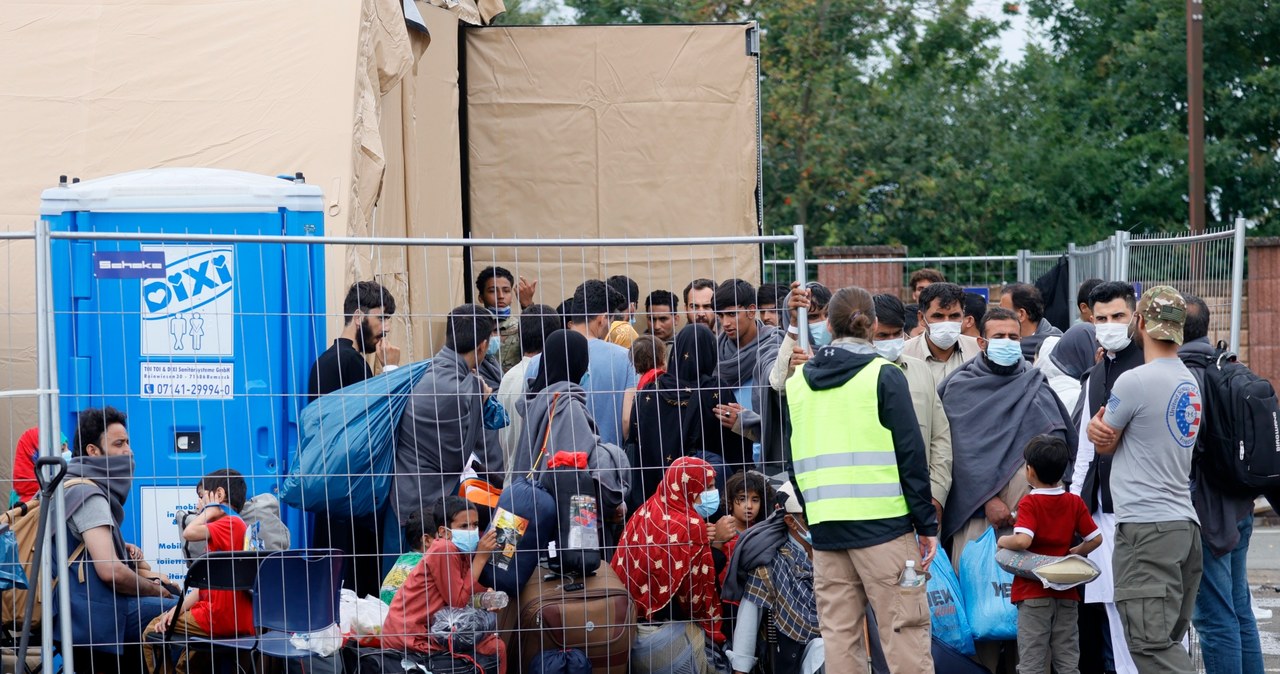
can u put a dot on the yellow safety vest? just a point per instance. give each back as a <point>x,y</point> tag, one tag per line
<point>844,459</point>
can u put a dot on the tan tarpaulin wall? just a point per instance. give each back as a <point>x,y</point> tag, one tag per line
<point>97,87</point>
<point>612,131</point>
<point>663,118</point>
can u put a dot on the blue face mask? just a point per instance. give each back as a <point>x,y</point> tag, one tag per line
<point>821,334</point>
<point>502,312</point>
<point>467,540</point>
<point>495,347</point>
<point>495,415</point>
<point>710,503</point>
<point>807,536</point>
<point>1004,352</point>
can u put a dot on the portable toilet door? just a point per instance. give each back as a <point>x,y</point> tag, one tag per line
<point>205,345</point>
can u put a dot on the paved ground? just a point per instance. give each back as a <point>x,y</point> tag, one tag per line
<point>1264,575</point>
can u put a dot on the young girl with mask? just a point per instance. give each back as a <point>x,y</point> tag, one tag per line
<point>446,577</point>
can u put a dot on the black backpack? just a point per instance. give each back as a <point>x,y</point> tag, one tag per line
<point>1239,445</point>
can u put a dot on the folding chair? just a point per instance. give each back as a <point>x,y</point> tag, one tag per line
<point>237,571</point>
<point>296,592</point>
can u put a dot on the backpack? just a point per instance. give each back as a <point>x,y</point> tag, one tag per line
<point>263,528</point>
<point>1239,445</point>
<point>569,661</point>
<point>24,521</point>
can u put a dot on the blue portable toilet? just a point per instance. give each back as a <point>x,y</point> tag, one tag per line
<point>206,346</point>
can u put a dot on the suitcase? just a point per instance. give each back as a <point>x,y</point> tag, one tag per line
<point>599,619</point>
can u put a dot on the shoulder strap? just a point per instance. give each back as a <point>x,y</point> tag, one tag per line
<point>546,437</point>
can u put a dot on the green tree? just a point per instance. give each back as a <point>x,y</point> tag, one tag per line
<point>525,12</point>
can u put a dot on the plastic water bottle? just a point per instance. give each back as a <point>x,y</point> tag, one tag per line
<point>583,523</point>
<point>910,578</point>
<point>490,600</point>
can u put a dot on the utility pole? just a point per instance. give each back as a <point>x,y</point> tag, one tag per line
<point>1195,111</point>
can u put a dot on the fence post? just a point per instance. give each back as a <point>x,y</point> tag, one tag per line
<point>1024,266</point>
<point>1237,283</point>
<point>44,363</point>
<point>1122,256</point>
<point>802,275</point>
<point>1072,280</point>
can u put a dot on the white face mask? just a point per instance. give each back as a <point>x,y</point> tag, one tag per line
<point>1113,336</point>
<point>944,334</point>
<point>889,349</point>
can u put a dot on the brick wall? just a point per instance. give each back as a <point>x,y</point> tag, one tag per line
<point>875,277</point>
<point>1263,291</point>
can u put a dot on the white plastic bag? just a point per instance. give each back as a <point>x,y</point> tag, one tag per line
<point>323,643</point>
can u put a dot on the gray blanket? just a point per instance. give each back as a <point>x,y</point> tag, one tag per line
<point>572,430</point>
<point>993,415</point>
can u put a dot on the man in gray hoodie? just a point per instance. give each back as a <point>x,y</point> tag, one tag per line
<point>443,422</point>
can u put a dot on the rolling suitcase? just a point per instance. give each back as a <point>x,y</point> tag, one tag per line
<point>594,615</point>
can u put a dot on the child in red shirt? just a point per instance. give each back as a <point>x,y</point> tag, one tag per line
<point>1048,520</point>
<point>211,613</point>
<point>447,576</point>
<point>748,491</point>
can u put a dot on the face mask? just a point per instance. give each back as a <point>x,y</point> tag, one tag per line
<point>807,536</point>
<point>1004,352</point>
<point>495,347</point>
<point>586,378</point>
<point>467,540</point>
<point>1113,336</point>
<point>889,349</point>
<point>821,334</point>
<point>502,312</point>
<point>944,334</point>
<point>495,415</point>
<point>710,503</point>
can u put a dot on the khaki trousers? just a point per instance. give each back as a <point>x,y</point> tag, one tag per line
<point>1158,567</point>
<point>845,581</point>
<point>186,627</point>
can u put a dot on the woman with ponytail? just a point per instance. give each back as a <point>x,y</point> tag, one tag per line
<point>862,471</point>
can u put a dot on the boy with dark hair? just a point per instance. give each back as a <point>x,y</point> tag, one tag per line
<point>368,308</point>
<point>1049,518</point>
<point>497,287</point>
<point>420,532</point>
<point>211,613</point>
<point>446,577</point>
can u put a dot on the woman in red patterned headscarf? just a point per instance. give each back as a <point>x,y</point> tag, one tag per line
<point>665,551</point>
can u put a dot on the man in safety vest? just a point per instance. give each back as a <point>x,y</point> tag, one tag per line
<point>860,464</point>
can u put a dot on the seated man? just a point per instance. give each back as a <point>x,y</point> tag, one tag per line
<point>113,596</point>
<point>995,403</point>
<point>775,561</point>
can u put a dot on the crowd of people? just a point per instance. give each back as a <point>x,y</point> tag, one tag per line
<point>762,492</point>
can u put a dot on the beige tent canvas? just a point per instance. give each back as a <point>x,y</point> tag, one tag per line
<point>400,144</point>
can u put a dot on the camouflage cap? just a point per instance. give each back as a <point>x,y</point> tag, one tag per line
<point>1165,313</point>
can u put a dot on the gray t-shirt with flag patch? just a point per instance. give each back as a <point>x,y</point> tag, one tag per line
<point>1157,407</point>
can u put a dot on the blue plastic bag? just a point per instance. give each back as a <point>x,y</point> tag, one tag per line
<point>347,445</point>
<point>986,588</point>
<point>946,605</point>
<point>11,574</point>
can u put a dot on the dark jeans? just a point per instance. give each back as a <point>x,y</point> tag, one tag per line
<point>360,541</point>
<point>1223,615</point>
